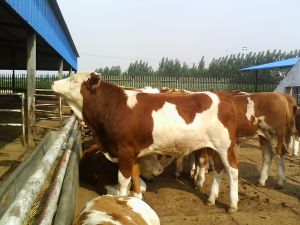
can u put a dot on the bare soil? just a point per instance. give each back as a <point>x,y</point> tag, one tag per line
<point>178,203</point>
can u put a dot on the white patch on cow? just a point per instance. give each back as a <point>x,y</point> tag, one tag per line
<point>143,185</point>
<point>206,130</point>
<point>138,195</point>
<point>250,109</point>
<point>95,217</point>
<point>234,198</point>
<point>90,204</point>
<point>144,210</point>
<point>131,98</point>
<point>280,169</point>
<point>150,90</point>
<point>107,155</point>
<point>267,154</point>
<point>77,111</point>
<point>294,145</point>
<point>214,193</point>
<point>128,217</point>
<point>123,182</point>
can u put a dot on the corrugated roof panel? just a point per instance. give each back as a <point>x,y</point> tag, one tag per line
<point>278,64</point>
<point>41,16</point>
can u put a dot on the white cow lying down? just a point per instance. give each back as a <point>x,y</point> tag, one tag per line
<point>125,210</point>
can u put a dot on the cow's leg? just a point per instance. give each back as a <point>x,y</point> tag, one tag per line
<point>279,159</point>
<point>232,166</point>
<point>295,146</point>
<point>126,164</point>
<point>229,161</point>
<point>218,173</point>
<point>267,156</point>
<point>194,171</point>
<point>179,166</point>
<point>136,181</point>
<point>202,159</point>
<point>291,144</point>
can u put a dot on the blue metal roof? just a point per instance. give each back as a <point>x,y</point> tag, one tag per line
<point>274,65</point>
<point>45,17</point>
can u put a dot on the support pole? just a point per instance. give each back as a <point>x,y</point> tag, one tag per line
<point>60,69</point>
<point>31,85</point>
<point>256,76</point>
<point>70,71</point>
<point>60,76</point>
<point>13,62</point>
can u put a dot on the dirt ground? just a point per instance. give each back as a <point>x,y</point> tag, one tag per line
<point>178,203</point>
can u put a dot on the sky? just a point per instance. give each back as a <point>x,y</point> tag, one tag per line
<point>118,32</point>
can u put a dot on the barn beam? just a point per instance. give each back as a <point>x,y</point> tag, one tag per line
<point>31,86</point>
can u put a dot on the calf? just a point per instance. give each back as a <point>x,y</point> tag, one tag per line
<point>117,210</point>
<point>129,124</point>
<point>96,169</point>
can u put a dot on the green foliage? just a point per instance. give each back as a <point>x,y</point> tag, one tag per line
<point>139,68</point>
<point>113,71</point>
<point>227,66</point>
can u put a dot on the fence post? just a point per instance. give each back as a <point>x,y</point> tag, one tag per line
<point>133,81</point>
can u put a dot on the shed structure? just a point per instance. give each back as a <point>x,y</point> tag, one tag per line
<point>34,36</point>
<point>291,83</point>
<point>282,64</point>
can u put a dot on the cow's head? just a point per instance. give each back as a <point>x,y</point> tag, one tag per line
<point>150,166</point>
<point>69,88</point>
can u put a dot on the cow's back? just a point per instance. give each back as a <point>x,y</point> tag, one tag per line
<point>117,210</point>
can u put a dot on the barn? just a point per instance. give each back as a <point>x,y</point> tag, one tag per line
<point>34,37</point>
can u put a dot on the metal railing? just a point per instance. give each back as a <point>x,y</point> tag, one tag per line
<point>20,110</point>
<point>48,106</point>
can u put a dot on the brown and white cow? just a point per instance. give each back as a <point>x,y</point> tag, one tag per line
<point>129,125</point>
<point>271,116</point>
<point>109,209</point>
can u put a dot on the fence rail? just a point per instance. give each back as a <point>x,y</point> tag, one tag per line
<point>188,83</point>
<point>192,83</point>
<point>16,109</point>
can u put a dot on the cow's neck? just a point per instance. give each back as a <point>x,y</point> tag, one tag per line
<point>103,106</point>
<point>77,110</point>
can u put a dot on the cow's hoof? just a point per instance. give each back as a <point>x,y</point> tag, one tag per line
<point>258,184</point>
<point>232,209</point>
<point>197,187</point>
<point>209,203</point>
<point>138,195</point>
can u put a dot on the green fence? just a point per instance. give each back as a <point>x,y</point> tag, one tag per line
<point>8,84</point>
<point>192,83</point>
<point>188,83</point>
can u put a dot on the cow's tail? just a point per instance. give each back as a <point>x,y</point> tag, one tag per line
<point>291,124</point>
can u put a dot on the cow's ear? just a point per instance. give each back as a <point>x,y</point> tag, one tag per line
<point>94,80</point>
